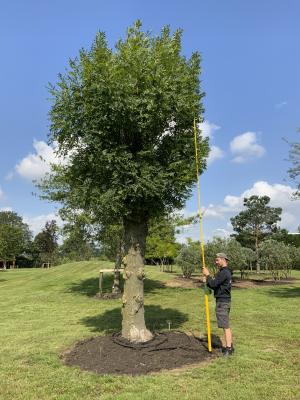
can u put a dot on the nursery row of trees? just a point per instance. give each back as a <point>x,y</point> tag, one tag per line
<point>275,256</point>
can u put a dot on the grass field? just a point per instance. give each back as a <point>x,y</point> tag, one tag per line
<point>44,312</point>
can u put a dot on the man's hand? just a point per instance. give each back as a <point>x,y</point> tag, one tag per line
<point>205,271</point>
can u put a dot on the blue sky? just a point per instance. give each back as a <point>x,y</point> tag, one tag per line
<point>250,59</point>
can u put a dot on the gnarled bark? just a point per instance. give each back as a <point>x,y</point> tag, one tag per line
<point>133,322</point>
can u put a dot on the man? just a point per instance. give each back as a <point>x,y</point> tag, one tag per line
<point>221,286</point>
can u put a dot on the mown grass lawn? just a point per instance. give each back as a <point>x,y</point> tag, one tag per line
<point>44,312</point>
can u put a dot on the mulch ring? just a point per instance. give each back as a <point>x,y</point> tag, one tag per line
<point>114,355</point>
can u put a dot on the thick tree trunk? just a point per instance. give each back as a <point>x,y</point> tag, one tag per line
<point>133,322</point>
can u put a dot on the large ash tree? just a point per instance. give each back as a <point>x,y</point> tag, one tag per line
<point>123,119</point>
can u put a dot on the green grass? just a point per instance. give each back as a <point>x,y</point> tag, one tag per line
<point>44,312</point>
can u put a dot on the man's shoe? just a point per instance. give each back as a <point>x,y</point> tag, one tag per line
<point>228,351</point>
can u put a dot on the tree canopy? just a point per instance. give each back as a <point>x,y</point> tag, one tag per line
<point>45,242</point>
<point>124,121</point>
<point>15,235</point>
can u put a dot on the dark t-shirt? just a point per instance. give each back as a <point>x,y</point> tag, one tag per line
<point>221,285</point>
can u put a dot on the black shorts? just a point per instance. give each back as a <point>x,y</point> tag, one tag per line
<point>222,313</point>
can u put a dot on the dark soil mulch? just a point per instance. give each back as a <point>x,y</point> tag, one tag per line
<point>115,355</point>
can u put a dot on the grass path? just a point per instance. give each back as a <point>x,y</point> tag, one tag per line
<point>43,312</point>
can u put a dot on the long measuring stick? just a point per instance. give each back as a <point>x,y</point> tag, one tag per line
<point>202,239</point>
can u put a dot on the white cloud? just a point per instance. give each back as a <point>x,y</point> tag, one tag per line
<point>245,147</point>
<point>1,193</point>
<point>37,223</point>
<point>6,209</point>
<point>36,165</point>
<point>280,195</point>
<point>281,104</point>
<point>208,128</point>
<point>221,232</point>
<point>215,154</point>
<point>216,218</point>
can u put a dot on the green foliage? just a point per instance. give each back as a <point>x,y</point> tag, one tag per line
<point>76,245</point>
<point>45,243</point>
<point>239,257</point>
<point>295,257</point>
<point>111,239</point>
<point>276,257</point>
<point>189,258</point>
<point>256,222</point>
<point>124,121</point>
<point>282,235</point>
<point>15,236</point>
<point>161,243</point>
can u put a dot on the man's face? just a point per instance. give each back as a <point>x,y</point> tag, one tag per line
<point>220,262</point>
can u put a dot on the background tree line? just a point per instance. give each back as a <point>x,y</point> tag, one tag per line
<point>258,243</point>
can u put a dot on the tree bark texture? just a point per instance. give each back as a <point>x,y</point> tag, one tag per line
<point>133,321</point>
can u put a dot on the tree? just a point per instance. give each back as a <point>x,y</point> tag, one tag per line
<point>161,243</point>
<point>276,257</point>
<point>282,235</point>
<point>294,170</point>
<point>76,245</point>
<point>255,223</point>
<point>189,258</point>
<point>15,236</point>
<point>45,242</point>
<point>236,253</point>
<point>123,120</point>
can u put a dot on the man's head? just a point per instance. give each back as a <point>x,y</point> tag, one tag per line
<point>221,260</point>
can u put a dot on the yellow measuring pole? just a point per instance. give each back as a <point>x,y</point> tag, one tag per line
<point>202,237</point>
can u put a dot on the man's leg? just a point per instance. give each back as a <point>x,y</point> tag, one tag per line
<point>228,337</point>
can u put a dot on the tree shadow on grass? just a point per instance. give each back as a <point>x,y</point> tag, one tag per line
<point>90,287</point>
<point>287,292</point>
<point>156,318</point>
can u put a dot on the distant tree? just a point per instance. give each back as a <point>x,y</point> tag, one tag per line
<point>294,171</point>
<point>189,258</point>
<point>76,244</point>
<point>124,119</point>
<point>237,254</point>
<point>15,236</point>
<point>250,257</point>
<point>255,223</point>
<point>282,235</point>
<point>295,256</point>
<point>276,257</point>
<point>45,242</point>
<point>161,246</point>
